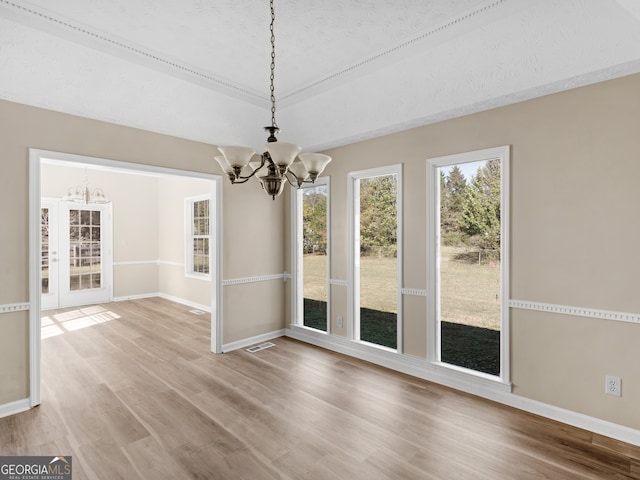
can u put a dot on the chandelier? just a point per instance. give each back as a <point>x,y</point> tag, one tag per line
<point>85,195</point>
<point>281,162</point>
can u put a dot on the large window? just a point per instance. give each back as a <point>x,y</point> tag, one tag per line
<point>376,256</point>
<point>198,236</point>
<point>468,314</point>
<point>311,210</point>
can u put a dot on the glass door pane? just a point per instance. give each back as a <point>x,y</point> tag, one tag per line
<point>85,264</point>
<point>49,248</point>
<point>44,254</point>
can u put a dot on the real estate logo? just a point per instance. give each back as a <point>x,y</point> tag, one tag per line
<point>35,468</point>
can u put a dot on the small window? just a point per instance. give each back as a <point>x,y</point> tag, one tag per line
<point>198,236</point>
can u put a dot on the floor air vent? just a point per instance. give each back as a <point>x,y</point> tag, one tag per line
<point>262,346</point>
<point>197,312</point>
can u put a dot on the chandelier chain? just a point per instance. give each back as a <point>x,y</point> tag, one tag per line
<point>273,68</point>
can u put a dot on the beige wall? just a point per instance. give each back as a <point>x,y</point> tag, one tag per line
<point>253,222</point>
<point>575,165</point>
<point>171,195</point>
<point>14,357</point>
<point>254,245</point>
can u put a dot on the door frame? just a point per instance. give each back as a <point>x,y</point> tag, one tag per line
<point>35,158</point>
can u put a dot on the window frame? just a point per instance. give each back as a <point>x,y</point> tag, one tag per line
<point>353,293</point>
<point>297,297</point>
<point>501,153</point>
<point>190,237</point>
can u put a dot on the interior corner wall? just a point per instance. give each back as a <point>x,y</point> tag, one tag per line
<point>252,224</point>
<point>253,239</point>
<point>575,164</point>
<point>172,280</point>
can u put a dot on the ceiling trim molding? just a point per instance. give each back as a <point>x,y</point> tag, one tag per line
<point>632,7</point>
<point>87,36</point>
<point>610,73</point>
<point>453,27</point>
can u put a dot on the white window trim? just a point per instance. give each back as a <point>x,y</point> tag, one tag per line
<point>433,267</point>
<point>188,236</point>
<point>297,299</point>
<point>353,289</point>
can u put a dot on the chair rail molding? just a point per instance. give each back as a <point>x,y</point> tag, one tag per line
<point>15,307</point>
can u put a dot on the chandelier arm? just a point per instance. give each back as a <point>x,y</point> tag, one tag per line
<point>247,177</point>
<point>263,162</point>
<point>243,180</point>
<point>298,183</point>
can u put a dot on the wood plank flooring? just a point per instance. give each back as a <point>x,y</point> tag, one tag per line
<point>131,391</point>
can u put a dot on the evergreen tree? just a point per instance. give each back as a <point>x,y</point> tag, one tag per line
<point>480,216</point>
<point>452,193</point>
<point>378,213</point>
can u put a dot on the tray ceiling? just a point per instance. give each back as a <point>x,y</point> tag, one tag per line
<point>346,70</point>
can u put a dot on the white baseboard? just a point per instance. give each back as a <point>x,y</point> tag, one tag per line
<point>491,390</point>
<point>14,407</point>
<point>171,298</point>
<point>188,303</point>
<point>136,297</point>
<point>229,347</point>
<point>586,422</point>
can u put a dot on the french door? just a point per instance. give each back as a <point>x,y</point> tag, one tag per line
<point>76,254</point>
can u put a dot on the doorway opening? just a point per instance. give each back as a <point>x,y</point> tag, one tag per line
<point>133,247</point>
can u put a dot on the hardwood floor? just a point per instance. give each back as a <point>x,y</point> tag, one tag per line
<point>131,391</point>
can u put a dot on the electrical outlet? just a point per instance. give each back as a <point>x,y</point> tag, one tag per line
<point>613,386</point>
<point>339,322</point>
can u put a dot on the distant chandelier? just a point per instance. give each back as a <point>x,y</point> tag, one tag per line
<point>85,195</point>
<point>281,161</point>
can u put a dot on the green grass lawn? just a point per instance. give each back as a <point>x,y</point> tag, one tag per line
<point>470,306</point>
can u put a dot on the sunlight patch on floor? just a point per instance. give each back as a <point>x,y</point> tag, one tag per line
<point>60,323</point>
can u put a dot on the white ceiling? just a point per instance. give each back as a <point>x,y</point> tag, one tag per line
<point>346,70</point>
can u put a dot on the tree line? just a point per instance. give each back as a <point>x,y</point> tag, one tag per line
<point>470,210</point>
<point>378,217</point>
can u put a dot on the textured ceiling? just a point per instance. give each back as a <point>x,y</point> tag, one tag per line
<point>347,70</point>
